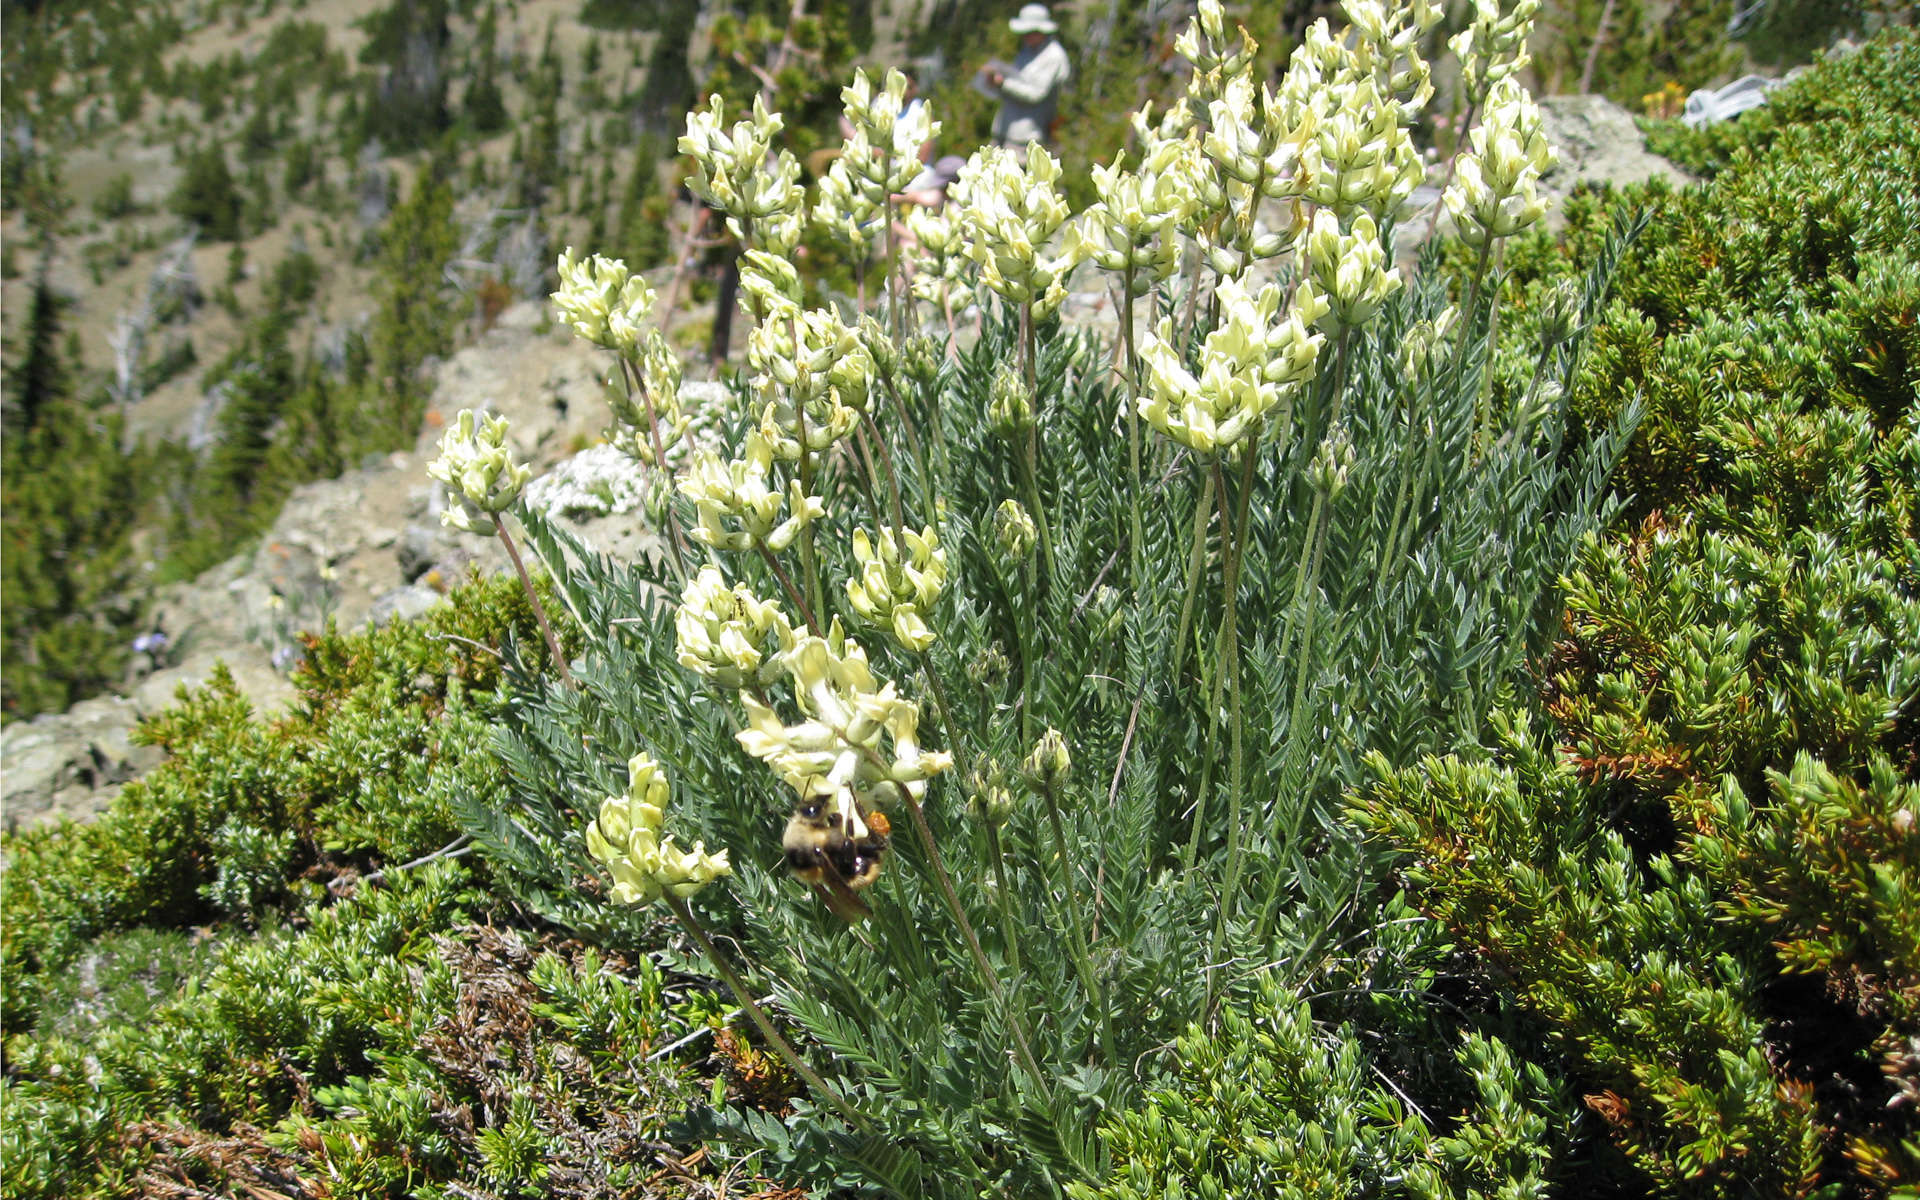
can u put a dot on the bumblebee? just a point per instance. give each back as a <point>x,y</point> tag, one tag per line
<point>820,851</point>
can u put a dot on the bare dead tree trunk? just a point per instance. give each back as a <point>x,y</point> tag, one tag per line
<point>1593,51</point>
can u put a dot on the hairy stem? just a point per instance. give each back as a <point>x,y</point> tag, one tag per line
<point>1016,1024</point>
<point>676,539</point>
<point>1236,839</point>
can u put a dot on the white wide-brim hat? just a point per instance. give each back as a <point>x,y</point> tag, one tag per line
<point>1033,18</point>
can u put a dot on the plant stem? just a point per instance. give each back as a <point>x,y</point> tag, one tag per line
<point>1032,456</point>
<point>1467,322</point>
<point>751,1007</point>
<point>949,733</point>
<point>533,598</point>
<point>629,374</point>
<point>886,461</point>
<point>793,594</point>
<point>1015,1023</point>
<point>1082,953</point>
<point>1196,561</point>
<point>1130,397</point>
<point>1236,840</point>
<point>915,445</point>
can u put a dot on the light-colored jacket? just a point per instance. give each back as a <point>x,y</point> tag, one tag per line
<point>1030,94</point>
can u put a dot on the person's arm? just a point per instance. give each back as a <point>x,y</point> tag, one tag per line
<point>1031,84</point>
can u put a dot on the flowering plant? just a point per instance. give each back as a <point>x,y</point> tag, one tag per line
<point>1015,748</point>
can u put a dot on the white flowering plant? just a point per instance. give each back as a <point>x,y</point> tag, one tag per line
<point>1022,739</point>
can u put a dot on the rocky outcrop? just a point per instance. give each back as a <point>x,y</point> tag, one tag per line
<point>365,547</point>
<point>1598,142</point>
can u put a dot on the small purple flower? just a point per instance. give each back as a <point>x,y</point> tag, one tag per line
<point>284,658</point>
<point>150,643</point>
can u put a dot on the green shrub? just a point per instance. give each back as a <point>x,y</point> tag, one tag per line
<point>387,724</point>
<point>1710,921</point>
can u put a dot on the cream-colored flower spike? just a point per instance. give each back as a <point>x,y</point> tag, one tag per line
<point>1215,64</point>
<point>1131,228</point>
<point>738,171</point>
<point>884,151</point>
<point>1494,192</point>
<point>739,492</point>
<point>603,301</point>
<point>626,839</point>
<point>1253,362</point>
<point>1387,49</point>
<point>478,472</point>
<point>721,631</point>
<point>1494,48</point>
<point>943,274</point>
<point>812,394</point>
<point>1361,158</point>
<point>1013,210</point>
<point>1349,269</point>
<point>899,578</point>
<point>836,751</point>
<point>660,375</point>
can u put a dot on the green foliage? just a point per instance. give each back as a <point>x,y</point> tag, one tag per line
<point>72,495</point>
<point>1641,47</point>
<point>389,1047</point>
<point>389,723</point>
<point>406,105</point>
<point>1269,1104</point>
<point>1735,683</point>
<point>206,194</point>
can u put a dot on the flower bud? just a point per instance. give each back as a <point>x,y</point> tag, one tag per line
<point>1013,532</point>
<point>1011,405</point>
<point>920,359</point>
<point>626,838</point>
<point>477,471</point>
<point>1331,463</point>
<point>1050,763</point>
<point>990,666</point>
<point>1559,314</point>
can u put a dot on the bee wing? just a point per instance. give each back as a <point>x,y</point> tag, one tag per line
<point>835,894</point>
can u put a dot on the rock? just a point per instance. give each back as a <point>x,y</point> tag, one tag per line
<point>70,764</point>
<point>1598,142</point>
<point>403,604</point>
<point>1710,106</point>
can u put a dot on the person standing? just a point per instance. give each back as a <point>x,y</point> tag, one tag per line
<point>1029,89</point>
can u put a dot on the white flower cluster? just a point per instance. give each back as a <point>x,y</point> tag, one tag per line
<point>900,578</point>
<point>1253,361</point>
<point>721,632</point>
<point>1013,209</point>
<point>626,839</point>
<point>1132,227</point>
<point>878,160</point>
<point>603,302</point>
<point>738,505</point>
<point>740,172</point>
<point>477,471</point>
<point>1494,48</point>
<point>600,480</point>
<point>1494,192</point>
<point>813,377</point>
<point>940,276</point>
<point>835,752</point>
<point>1349,269</point>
